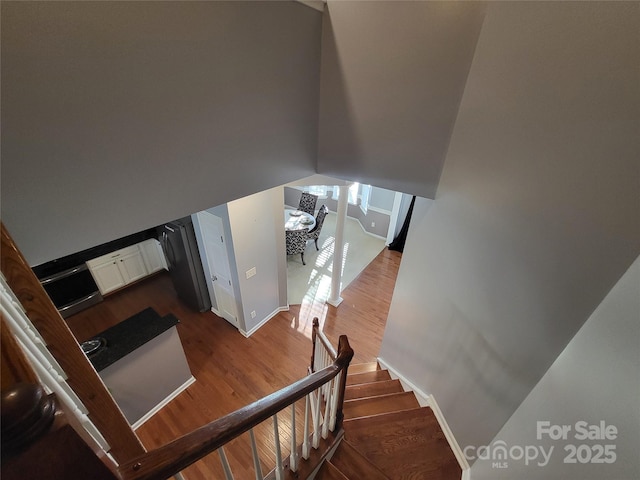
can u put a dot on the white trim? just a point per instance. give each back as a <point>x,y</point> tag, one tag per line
<point>367,232</point>
<point>163,403</point>
<point>265,320</point>
<point>423,398</point>
<point>466,474</point>
<point>336,302</point>
<point>47,369</point>
<point>355,219</point>
<point>457,451</point>
<point>393,220</point>
<point>427,400</point>
<point>379,210</point>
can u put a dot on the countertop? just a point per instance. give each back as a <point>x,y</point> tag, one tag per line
<point>130,334</point>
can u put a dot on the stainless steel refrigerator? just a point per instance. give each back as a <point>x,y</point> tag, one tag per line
<point>178,241</point>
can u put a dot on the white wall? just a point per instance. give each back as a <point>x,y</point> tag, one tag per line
<point>257,229</point>
<point>392,77</point>
<point>536,215</point>
<point>594,379</point>
<point>118,116</point>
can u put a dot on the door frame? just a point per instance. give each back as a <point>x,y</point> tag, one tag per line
<point>204,255</point>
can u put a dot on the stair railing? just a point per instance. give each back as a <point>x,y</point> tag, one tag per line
<point>175,456</point>
<point>324,354</point>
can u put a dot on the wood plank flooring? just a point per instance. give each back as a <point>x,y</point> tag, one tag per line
<point>232,371</point>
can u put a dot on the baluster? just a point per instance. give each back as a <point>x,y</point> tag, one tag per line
<point>256,457</point>
<point>225,464</point>
<point>293,457</point>
<point>314,353</point>
<point>327,405</point>
<point>305,443</point>
<point>276,434</point>
<point>316,420</point>
<point>324,364</point>
<point>318,361</point>
<point>334,402</point>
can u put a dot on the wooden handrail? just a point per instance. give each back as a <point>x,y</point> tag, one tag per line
<point>175,456</point>
<point>82,377</point>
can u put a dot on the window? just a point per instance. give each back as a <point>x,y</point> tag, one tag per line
<point>364,198</point>
<point>365,193</point>
<point>319,190</point>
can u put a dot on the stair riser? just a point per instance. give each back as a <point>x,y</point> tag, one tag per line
<point>368,377</point>
<point>365,407</point>
<point>372,389</point>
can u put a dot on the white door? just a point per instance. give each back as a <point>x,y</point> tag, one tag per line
<point>215,253</point>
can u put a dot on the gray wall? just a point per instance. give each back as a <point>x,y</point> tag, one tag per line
<point>594,379</point>
<point>536,214</point>
<point>392,77</point>
<point>118,116</point>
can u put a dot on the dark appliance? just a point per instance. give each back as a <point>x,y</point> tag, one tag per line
<point>178,241</point>
<point>72,290</point>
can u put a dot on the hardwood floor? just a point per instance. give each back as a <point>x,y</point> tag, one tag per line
<point>232,371</point>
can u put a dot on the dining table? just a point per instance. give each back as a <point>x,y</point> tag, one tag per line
<point>297,220</point>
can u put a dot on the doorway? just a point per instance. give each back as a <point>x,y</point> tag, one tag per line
<point>213,250</point>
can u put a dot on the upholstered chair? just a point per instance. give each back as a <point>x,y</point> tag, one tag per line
<point>296,241</point>
<point>308,203</point>
<point>314,233</point>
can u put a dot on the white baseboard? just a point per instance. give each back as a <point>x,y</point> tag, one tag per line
<point>265,320</point>
<point>368,232</point>
<point>457,451</point>
<point>427,400</point>
<point>355,219</point>
<point>163,403</point>
<point>423,398</point>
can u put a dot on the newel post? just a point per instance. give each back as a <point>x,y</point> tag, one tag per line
<point>314,335</point>
<point>344,349</point>
<point>27,414</point>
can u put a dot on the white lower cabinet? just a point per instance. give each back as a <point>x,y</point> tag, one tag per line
<point>117,269</point>
<point>107,276</point>
<point>153,255</point>
<point>132,266</point>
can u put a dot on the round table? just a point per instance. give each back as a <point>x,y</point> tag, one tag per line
<point>297,220</point>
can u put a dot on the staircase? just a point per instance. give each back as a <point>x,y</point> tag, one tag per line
<point>387,434</point>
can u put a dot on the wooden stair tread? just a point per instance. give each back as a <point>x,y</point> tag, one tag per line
<point>371,389</point>
<point>402,444</point>
<point>392,402</point>
<point>363,367</point>
<point>368,377</point>
<point>354,465</point>
<point>328,471</point>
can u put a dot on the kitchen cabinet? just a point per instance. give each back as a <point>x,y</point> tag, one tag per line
<point>153,255</point>
<point>117,269</point>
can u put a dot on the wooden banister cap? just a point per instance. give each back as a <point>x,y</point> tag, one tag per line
<point>27,413</point>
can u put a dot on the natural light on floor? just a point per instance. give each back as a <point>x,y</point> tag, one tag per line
<point>310,285</point>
